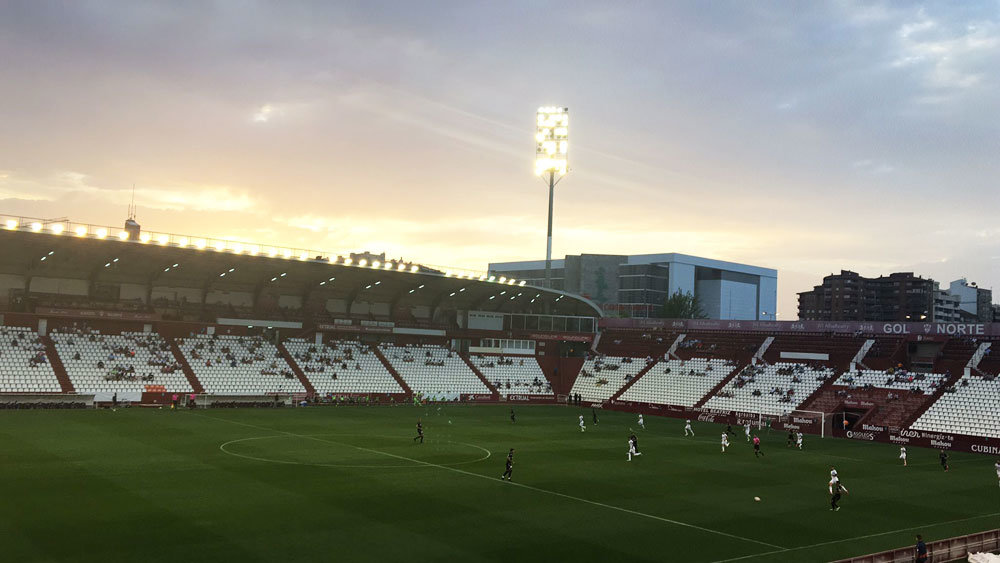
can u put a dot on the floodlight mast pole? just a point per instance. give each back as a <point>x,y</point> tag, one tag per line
<point>548,246</point>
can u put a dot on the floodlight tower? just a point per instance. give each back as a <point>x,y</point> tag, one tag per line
<point>551,160</point>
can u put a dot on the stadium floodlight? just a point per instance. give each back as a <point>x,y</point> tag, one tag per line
<point>253,249</point>
<point>145,237</point>
<point>303,255</point>
<point>237,247</point>
<point>521,283</point>
<point>348,261</point>
<point>163,239</point>
<point>551,161</point>
<point>219,245</point>
<point>101,233</point>
<point>363,262</point>
<point>182,242</point>
<point>414,269</point>
<point>123,235</point>
<point>286,253</point>
<point>401,267</point>
<point>503,279</point>
<point>81,231</point>
<point>36,226</point>
<point>11,224</point>
<point>58,228</point>
<point>376,264</point>
<point>200,244</point>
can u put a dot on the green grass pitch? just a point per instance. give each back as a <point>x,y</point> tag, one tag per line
<point>349,483</point>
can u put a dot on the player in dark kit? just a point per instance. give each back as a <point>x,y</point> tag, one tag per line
<point>729,429</point>
<point>510,465</point>
<point>512,417</point>
<point>944,459</point>
<point>593,413</point>
<point>836,489</point>
<point>791,439</point>
<point>420,432</point>
<point>635,442</point>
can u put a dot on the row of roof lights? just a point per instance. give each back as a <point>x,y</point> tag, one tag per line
<point>163,239</point>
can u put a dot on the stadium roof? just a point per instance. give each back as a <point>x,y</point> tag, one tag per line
<point>98,254</point>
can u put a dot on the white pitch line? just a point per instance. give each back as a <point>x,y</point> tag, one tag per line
<point>523,486</point>
<point>789,549</point>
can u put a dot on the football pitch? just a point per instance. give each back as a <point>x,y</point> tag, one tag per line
<point>349,483</point>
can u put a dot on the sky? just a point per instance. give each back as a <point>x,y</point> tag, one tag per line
<point>808,137</point>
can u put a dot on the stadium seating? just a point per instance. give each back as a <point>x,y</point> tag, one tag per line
<point>514,376</point>
<point>677,382</point>
<point>103,363</point>
<point>970,409</point>
<point>24,367</point>
<point>342,367</point>
<point>602,376</point>
<point>434,371</point>
<point>770,389</point>
<point>901,380</point>
<point>239,365</point>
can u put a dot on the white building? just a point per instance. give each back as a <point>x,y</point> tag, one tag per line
<point>637,285</point>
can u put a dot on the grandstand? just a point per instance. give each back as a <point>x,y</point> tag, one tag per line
<point>24,365</point>
<point>434,371</point>
<point>603,376</point>
<point>239,365</point>
<point>513,375</point>
<point>131,362</point>
<point>342,367</point>
<point>770,389</point>
<point>970,407</point>
<point>679,382</point>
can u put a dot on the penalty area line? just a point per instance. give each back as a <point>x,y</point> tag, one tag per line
<point>523,486</point>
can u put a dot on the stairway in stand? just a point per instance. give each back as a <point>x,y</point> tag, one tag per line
<point>57,366</point>
<point>296,370</point>
<point>185,366</point>
<point>631,382</point>
<point>392,371</point>
<point>494,393</point>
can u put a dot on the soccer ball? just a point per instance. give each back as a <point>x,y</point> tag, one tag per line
<point>756,499</point>
<point>449,422</point>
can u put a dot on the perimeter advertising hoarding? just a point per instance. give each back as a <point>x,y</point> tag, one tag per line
<point>811,425</point>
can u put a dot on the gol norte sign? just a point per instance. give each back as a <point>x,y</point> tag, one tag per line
<point>924,329</point>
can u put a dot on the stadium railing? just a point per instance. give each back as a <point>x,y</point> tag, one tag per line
<point>951,549</point>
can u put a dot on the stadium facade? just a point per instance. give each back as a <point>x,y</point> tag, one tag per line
<point>637,285</point>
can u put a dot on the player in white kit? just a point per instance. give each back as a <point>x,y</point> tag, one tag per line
<point>631,449</point>
<point>833,474</point>
<point>902,454</point>
<point>798,440</point>
<point>746,428</point>
<point>725,442</point>
<point>582,427</point>
<point>997,466</point>
<point>642,423</point>
<point>687,427</point>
